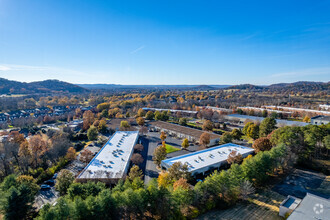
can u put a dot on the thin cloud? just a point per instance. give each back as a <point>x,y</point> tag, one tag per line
<point>137,50</point>
<point>305,72</point>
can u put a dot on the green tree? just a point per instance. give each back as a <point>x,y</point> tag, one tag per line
<point>159,154</point>
<point>236,134</point>
<point>17,195</point>
<point>63,181</point>
<point>150,115</point>
<point>183,121</point>
<point>253,131</point>
<point>245,128</point>
<point>158,116</point>
<point>92,133</point>
<point>267,126</point>
<point>264,113</point>
<point>140,121</point>
<point>226,138</point>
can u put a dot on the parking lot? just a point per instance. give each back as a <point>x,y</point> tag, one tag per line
<point>45,197</point>
<point>300,182</point>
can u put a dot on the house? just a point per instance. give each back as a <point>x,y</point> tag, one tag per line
<point>112,162</point>
<point>203,161</point>
<point>320,120</point>
<point>182,132</point>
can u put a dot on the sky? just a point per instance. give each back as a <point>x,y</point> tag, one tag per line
<point>165,42</point>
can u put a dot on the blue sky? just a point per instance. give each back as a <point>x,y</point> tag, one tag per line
<point>165,42</point>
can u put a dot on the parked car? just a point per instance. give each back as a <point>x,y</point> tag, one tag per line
<point>50,182</point>
<point>45,187</point>
<point>55,176</point>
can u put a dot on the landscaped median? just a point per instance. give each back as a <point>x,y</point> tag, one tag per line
<point>170,148</point>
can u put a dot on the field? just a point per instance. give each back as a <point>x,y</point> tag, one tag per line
<point>260,206</point>
<point>170,148</point>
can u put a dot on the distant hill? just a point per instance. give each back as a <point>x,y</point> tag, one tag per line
<point>294,87</point>
<point>47,86</point>
<point>118,86</point>
<point>246,87</point>
<point>301,86</point>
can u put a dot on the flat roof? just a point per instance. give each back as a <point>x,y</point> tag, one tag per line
<point>183,130</point>
<point>311,207</point>
<point>112,161</point>
<point>322,117</point>
<point>278,121</point>
<point>208,157</point>
<point>171,110</point>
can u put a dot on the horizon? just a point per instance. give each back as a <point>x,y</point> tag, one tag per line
<point>165,43</point>
<point>165,84</point>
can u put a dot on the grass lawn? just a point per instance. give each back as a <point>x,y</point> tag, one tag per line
<point>170,148</point>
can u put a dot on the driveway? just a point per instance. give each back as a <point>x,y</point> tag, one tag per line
<point>45,197</point>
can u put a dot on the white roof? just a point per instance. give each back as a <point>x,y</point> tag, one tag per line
<point>209,157</point>
<point>113,159</point>
<point>171,110</point>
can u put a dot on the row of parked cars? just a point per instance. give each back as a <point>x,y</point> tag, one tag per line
<point>47,185</point>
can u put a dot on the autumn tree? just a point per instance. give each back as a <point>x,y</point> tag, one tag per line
<point>262,144</point>
<point>138,147</point>
<point>37,147</point>
<point>86,156</point>
<point>162,136</point>
<point>135,172</point>
<point>185,143</point>
<point>159,154</point>
<point>141,113</point>
<point>181,183</point>
<point>207,125</point>
<point>140,121</point>
<point>88,119</point>
<point>164,179</point>
<point>234,157</point>
<point>102,127</point>
<point>307,119</point>
<point>204,139</point>
<point>124,125</point>
<point>137,159</point>
<point>103,106</point>
<point>71,154</point>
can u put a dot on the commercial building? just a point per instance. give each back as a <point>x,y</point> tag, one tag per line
<point>242,118</point>
<point>320,120</point>
<point>302,110</point>
<point>209,159</point>
<point>112,161</point>
<point>186,112</point>
<point>310,207</point>
<point>179,131</point>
